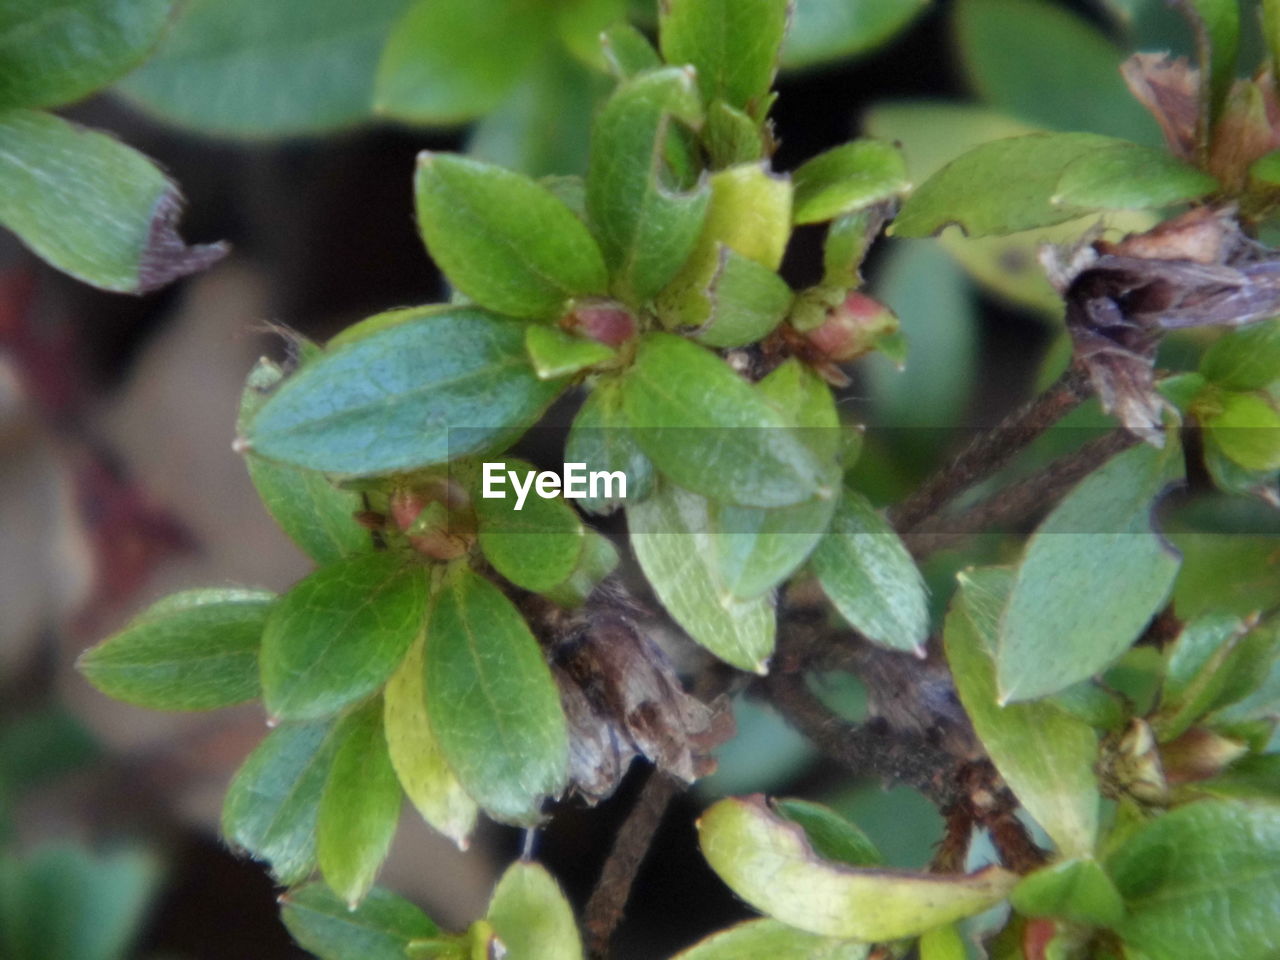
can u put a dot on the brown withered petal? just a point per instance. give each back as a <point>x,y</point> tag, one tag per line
<point>167,256</point>
<point>1170,89</point>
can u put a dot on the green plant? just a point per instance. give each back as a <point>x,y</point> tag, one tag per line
<point>477,654</point>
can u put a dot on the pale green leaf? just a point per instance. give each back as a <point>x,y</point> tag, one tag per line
<point>601,438</point>
<point>1245,359</point>
<point>825,30</point>
<point>531,916</point>
<point>555,353</point>
<point>848,178</point>
<point>771,940</point>
<point>1076,890</point>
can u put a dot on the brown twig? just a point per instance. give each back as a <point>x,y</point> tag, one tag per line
<point>991,451</point>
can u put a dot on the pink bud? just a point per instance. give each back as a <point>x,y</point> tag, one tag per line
<point>852,328</point>
<point>605,321</point>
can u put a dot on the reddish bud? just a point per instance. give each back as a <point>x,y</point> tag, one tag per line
<point>1198,755</point>
<point>852,328</point>
<point>430,525</point>
<point>605,321</point>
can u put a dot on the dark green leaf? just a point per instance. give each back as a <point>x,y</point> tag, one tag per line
<point>492,702</point>
<point>531,916</point>
<point>733,44</point>
<point>447,61</point>
<point>848,178</point>
<point>196,650</point>
<point>1046,755</point>
<point>379,929</point>
<point>646,226</point>
<point>272,804</point>
<point>1245,359</point>
<point>771,940</point>
<point>429,385</point>
<point>507,242</point>
<point>359,808</point>
<point>670,534</point>
<point>1075,890</point>
<point>337,636</point>
<point>706,428</point>
<point>536,546</point>
<point>825,30</point>
<point>556,354</point>
<point>1227,572</point>
<point>1255,777</point>
<point>866,571</point>
<point>1216,24</point>
<point>601,438</point>
<point>1202,881</point>
<point>250,69</point>
<point>56,53</point>
<point>91,206</point>
<point>830,835</point>
<point>1091,578</point>
<point>1047,66</point>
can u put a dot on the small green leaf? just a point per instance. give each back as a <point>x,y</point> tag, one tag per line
<point>826,30</point>
<point>758,549</point>
<point>556,354</point>
<point>1202,881</point>
<point>492,702</point>
<point>628,52</point>
<point>535,544</point>
<point>505,241</point>
<point>1266,169</point>
<point>599,558</point>
<point>1092,576</point>
<point>91,206</point>
<point>831,835</point>
<point>580,24</point>
<point>56,54</point>
<point>531,916</point>
<point>415,753</point>
<point>379,929</point>
<point>1196,671</point>
<point>601,438</point>
<point>1228,572</point>
<point>708,430</point>
<point>429,385</point>
<point>771,940</point>
<point>196,650</point>
<point>943,943</point>
<point>870,577</point>
<point>670,534</point>
<point>1129,177</point>
<point>317,516</point>
<point>731,137</point>
<point>360,807</point>
<point>743,302</point>
<point>1245,359</point>
<point>645,225</point>
<point>1216,25</point>
<point>733,44</point>
<point>338,635</point>
<point>273,802</point>
<point>1046,755</point>
<point>1246,427</point>
<point>1075,890</point>
<point>847,179</point>
<point>767,862</point>
<point>447,61</point>
<point>249,69</point>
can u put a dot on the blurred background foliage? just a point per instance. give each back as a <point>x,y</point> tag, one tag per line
<point>292,126</point>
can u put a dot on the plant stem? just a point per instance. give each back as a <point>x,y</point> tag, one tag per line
<point>989,453</point>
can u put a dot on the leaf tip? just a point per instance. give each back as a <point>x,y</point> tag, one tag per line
<point>424,158</point>
<point>241,445</point>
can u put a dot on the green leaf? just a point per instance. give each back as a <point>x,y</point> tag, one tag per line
<point>1245,359</point>
<point>430,385</point>
<point>507,242</point>
<point>599,559</point>
<point>379,929</point>
<point>63,903</point>
<point>1046,755</point>
<point>555,353</point>
<point>536,546</point>
<point>531,916</point>
<point>733,44</point>
<point>1044,179</point>
<point>1216,25</point>
<point>447,61</point>
<point>1049,67</point>
<point>601,438</point>
<point>771,940</point>
<point>743,302</point>
<point>731,137</point>
<point>1246,427</point>
<point>627,51</point>
<point>767,862</point>
<point>847,179</point>
<point>825,30</point>
<point>1091,578</point>
<point>273,802</point>
<point>758,549</point>
<point>1271,28</point>
<point>1075,890</point>
<point>317,516</point>
<point>645,225</point>
<point>338,635</point>
<point>360,807</point>
<point>866,571</point>
<point>492,702</point>
<point>196,650</point>
<point>943,943</point>
<point>249,69</point>
<point>831,835</point>
<point>54,54</point>
<point>670,534</point>
<point>708,430</point>
<point>1228,572</point>
<point>1196,671</point>
<point>416,755</point>
<point>1202,880</point>
<point>91,206</point>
